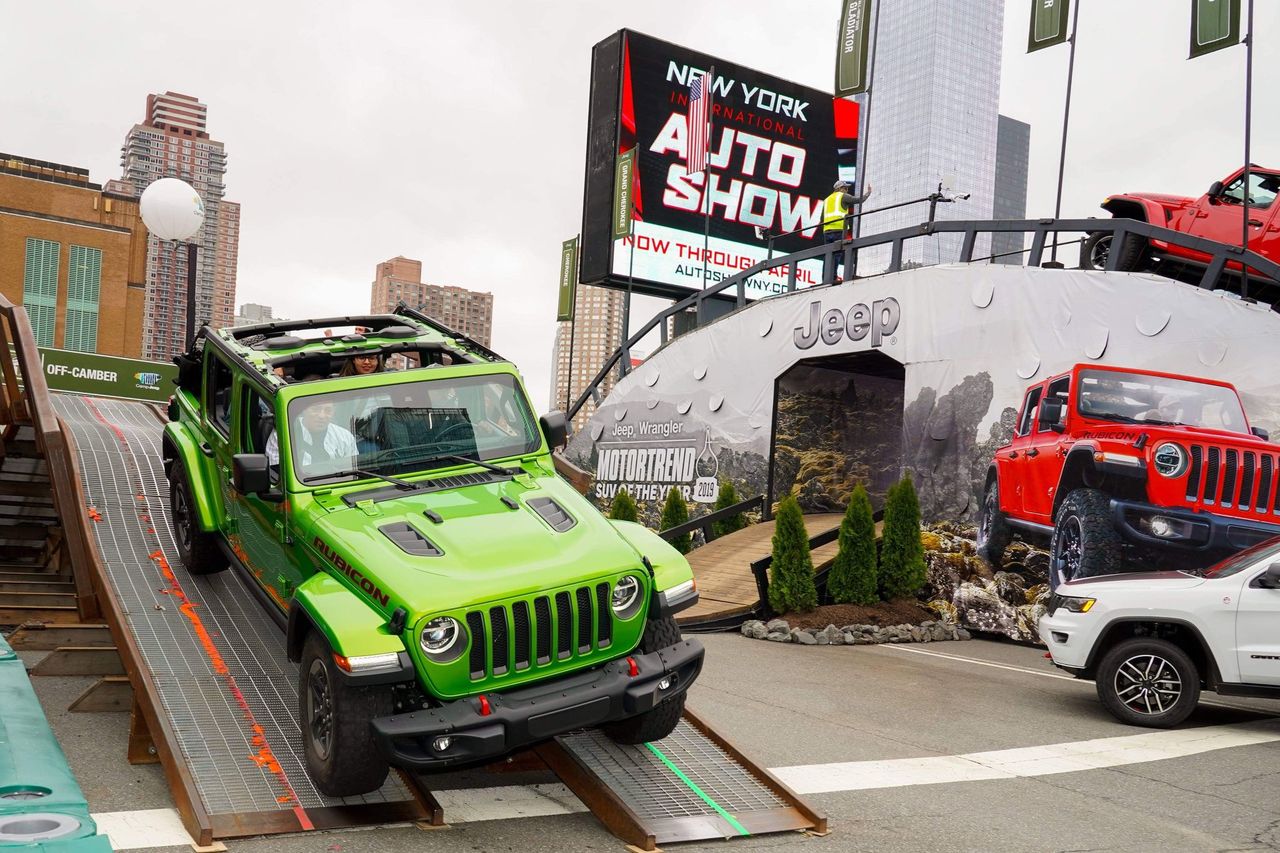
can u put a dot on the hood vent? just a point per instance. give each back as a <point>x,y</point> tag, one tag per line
<point>552,513</point>
<point>423,487</point>
<point>410,540</point>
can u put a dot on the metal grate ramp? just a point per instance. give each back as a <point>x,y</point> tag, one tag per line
<point>212,661</point>
<point>692,785</point>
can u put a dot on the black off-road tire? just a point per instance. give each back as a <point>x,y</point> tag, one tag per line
<point>1150,682</point>
<point>1094,251</point>
<point>198,550</point>
<point>661,720</point>
<point>337,741</point>
<point>1085,542</point>
<point>994,532</point>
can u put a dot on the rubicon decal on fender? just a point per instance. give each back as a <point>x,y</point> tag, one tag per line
<point>347,569</point>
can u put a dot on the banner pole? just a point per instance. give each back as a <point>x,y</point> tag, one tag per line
<point>861,177</point>
<point>573,327</point>
<point>1066,117</point>
<point>1248,127</point>
<point>624,364</point>
<point>706,182</point>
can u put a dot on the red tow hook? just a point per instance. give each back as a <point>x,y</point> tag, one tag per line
<point>485,710</point>
<point>632,669</point>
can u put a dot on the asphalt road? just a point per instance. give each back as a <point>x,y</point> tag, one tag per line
<point>788,705</point>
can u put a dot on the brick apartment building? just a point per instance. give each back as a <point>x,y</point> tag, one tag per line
<point>400,278</point>
<point>73,255</point>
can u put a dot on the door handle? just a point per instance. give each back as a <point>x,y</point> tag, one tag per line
<point>206,449</point>
<point>1013,454</point>
<point>1032,453</point>
<point>1256,223</point>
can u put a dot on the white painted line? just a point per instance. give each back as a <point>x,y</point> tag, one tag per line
<point>978,662</point>
<point>144,828</point>
<point>1025,761</point>
<point>467,805</point>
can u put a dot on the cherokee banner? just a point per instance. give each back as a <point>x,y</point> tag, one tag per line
<point>1215,24</point>
<point>568,279</point>
<point>776,148</point>
<point>1048,23</point>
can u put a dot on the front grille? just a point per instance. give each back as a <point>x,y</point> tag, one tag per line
<point>1244,480</point>
<point>505,637</point>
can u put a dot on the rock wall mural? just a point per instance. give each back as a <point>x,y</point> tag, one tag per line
<point>969,339</point>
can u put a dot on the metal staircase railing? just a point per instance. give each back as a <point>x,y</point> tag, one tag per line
<point>1263,272</point>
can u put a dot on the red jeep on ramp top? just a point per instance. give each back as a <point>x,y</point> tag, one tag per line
<point>1216,215</point>
<point>1105,454</point>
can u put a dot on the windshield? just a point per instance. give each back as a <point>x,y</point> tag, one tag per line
<point>1265,551</point>
<point>406,427</point>
<point>1136,398</point>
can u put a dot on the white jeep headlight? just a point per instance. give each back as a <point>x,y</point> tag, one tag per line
<point>1169,459</point>
<point>625,594</point>
<point>441,636</point>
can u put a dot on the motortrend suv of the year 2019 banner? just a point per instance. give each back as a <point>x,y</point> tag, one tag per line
<point>775,150</point>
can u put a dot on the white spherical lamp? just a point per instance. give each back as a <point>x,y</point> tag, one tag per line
<point>172,209</point>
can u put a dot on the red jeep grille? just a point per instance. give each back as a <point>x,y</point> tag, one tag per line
<point>1243,480</point>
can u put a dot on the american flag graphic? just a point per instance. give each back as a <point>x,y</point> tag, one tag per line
<point>698,119</point>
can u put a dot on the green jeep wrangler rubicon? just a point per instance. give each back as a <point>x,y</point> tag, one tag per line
<point>448,596</point>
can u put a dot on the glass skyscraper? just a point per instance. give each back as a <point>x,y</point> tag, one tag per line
<point>935,97</point>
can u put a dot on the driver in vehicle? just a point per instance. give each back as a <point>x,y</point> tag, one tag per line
<point>316,437</point>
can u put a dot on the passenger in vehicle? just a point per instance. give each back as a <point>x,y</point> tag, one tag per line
<point>318,439</point>
<point>362,364</point>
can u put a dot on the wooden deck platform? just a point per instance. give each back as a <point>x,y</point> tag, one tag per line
<point>722,567</point>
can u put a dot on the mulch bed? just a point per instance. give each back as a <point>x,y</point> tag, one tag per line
<point>900,611</point>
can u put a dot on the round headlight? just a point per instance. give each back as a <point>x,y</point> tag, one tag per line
<point>625,593</point>
<point>441,636</point>
<point>1170,459</point>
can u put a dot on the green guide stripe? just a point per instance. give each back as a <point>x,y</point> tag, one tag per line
<point>742,830</point>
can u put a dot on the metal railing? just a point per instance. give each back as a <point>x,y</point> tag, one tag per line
<point>734,288</point>
<point>705,523</point>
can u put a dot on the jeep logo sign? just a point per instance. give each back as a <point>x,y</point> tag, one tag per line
<point>880,320</point>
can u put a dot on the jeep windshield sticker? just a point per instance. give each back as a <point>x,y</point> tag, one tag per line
<point>350,571</point>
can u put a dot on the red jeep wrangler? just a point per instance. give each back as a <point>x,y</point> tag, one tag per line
<point>1215,216</point>
<point>1105,454</point>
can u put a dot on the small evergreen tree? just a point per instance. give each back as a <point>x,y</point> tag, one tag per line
<point>852,579</point>
<point>727,497</point>
<point>791,585</point>
<point>902,568</point>
<point>675,512</point>
<point>623,507</point>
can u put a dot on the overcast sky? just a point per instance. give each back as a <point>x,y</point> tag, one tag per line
<point>454,132</point>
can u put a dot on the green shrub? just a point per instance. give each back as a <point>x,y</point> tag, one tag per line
<point>623,507</point>
<point>675,512</point>
<point>852,579</point>
<point>727,497</point>
<point>902,568</point>
<point>791,584</point>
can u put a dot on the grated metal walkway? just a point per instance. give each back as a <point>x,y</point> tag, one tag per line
<point>216,659</point>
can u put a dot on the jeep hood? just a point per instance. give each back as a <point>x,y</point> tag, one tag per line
<point>481,550</point>
<point>1162,199</point>
<point>1130,582</point>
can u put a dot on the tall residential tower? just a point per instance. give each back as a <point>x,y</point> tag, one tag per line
<point>400,279</point>
<point>173,142</point>
<point>595,334</point>
<point>935,97</point>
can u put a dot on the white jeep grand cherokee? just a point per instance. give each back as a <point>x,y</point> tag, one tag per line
<point>1152,641</point>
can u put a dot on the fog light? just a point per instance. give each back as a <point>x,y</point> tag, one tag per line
<point>440,744</point>
<point>664,684</point>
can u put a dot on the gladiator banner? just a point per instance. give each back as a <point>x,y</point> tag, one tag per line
<point>1215,24</point>
<point>776,148</point>
<point>854,45</point>
<point>1048,23</point>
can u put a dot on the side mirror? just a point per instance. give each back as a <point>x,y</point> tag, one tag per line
<point>1052,413</point>
<point>555,428</point>
<point>1271,577</point>
<point>251,473</point>
<point>1260,433</point>
<point>1215,190</point>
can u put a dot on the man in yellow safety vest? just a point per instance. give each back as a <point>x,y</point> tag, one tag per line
<point>836,212</point>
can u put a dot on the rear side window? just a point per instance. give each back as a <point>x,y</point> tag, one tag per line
<point>218,401</point>
<point>1030,407</point>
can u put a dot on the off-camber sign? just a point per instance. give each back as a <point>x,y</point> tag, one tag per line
<point>776,148</point>
<point>107,376</point>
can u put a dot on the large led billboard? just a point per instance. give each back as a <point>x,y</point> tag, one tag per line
<point>775,150</point>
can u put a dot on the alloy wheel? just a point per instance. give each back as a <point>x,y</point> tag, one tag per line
<point>320,708</point>
<point>182,517</point>
<point>1098,254</point>
<point>1067,549</point>
<point>1147,684</point>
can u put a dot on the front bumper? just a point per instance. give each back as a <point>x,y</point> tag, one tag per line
<point>1069,637</point>
<point>536,713</point>
<point>1200,531</point>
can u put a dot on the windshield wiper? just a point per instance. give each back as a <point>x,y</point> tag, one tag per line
<point>454,457</point>
<point>1112,416</point>
<point>395,481</point>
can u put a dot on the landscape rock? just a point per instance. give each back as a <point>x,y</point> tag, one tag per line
<point>804,638</point>
<point>755,629</point>
<point>778,625</point>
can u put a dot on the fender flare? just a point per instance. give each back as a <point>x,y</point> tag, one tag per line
<point>178,443</point>
<point>324,604</point>
<point>1124,206</point>
<point>670,568</point>
<point>1080,448</point>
